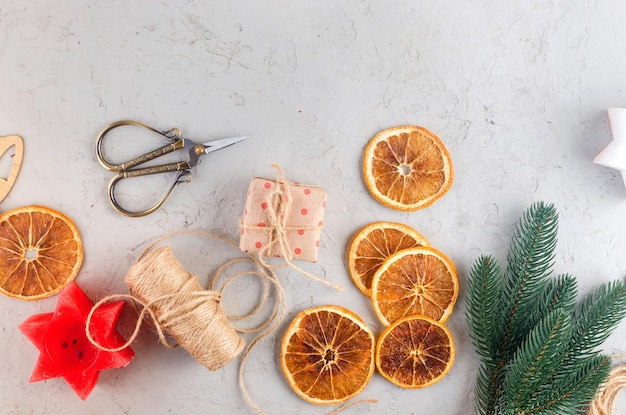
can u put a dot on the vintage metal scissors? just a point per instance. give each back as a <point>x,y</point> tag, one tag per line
<point>192,152</point>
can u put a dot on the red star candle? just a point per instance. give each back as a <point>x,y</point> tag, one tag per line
<point>283,219</point>
<point>65,350</point>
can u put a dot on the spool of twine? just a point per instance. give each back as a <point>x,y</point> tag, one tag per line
<point>196,322</point>
<point>603,404</point>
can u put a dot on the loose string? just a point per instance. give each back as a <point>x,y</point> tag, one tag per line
<point>603,404</point>
<point>280,313</point>
<point>278,211</point>
<point>351,404</point>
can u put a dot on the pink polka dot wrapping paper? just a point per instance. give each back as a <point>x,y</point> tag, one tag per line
<point>304,206</point>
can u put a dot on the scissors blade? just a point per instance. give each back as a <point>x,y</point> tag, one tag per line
<point>215,145</point>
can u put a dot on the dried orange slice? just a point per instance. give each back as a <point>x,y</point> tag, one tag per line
<point>418,280</point>
<point>327,355</point>
<point>373,244</point>
<point>40,252</point>
<point>415,352</point>
<point>407,168</point>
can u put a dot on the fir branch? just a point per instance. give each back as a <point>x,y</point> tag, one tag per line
<point>572,390</point>
<point>530,258</point>
<point>529,262</point>
<point>560,292</point>
<point>593,321</point>
<point>484,291</point>
<point>536,359</point>
<point>597,316</point>
<point>486,401</point>
<point>537,350</point>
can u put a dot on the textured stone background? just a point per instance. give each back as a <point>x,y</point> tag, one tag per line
<point>518,90</point>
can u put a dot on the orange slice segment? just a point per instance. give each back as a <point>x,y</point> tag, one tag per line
<point>418,280</point>
<point>407,168</point>
<point>373,244</point>
<point>415,352</point>
<point>40,252</point>
<point>327,355</point>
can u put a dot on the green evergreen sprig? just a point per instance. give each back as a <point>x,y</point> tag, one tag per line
<point>537,346</point>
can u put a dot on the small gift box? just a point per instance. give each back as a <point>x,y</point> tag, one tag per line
<point>282,219</point>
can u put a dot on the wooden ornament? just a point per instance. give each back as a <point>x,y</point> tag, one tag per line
<point>6,143</point>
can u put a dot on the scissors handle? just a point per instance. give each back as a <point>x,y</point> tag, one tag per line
<point>184,176</point>
<point>176,145</point>
<point>162,168</point>
<point>173,136</point>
